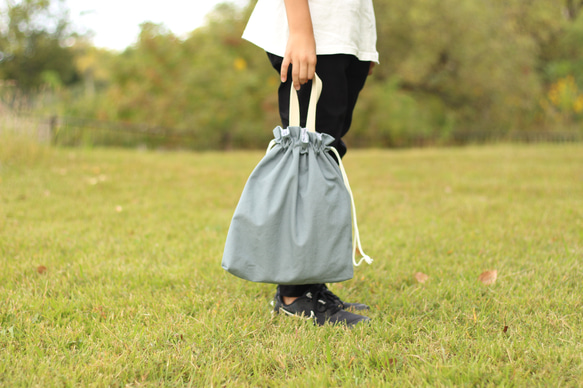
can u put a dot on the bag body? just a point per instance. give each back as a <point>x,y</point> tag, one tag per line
<point>292,224</point>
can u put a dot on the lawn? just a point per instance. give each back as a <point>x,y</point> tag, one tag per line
<point>110,272</point>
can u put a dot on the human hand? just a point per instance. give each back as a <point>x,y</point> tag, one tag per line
<point>370,69</point>
<point>301,55</point>
<point>300,51</point>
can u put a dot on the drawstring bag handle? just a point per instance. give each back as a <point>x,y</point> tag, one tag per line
<point>294,105</point>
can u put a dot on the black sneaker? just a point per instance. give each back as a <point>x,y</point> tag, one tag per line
<point>346,305</point>
<point>319,305</point>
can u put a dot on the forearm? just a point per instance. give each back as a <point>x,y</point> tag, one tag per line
<point>298,17</point>
<point>301,46</point>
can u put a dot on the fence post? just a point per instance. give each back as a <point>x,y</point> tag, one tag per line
<point>53,129</point>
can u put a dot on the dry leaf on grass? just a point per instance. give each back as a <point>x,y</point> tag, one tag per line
<point>488,277</point>
<point>41,269</point>
<point>421,277</point>
<point>99,310</point>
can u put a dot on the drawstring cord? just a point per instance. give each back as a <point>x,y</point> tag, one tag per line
<point>356,239</point>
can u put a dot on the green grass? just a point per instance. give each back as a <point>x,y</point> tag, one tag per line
<point>134,294</point>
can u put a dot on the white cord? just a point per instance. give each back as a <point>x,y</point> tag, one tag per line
<point>356,240</point>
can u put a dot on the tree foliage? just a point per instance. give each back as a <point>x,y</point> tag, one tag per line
<point>211,84</point>
<point>33,44</point>
<point>448,67</point>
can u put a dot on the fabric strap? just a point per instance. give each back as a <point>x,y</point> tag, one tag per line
<point>294,105</point>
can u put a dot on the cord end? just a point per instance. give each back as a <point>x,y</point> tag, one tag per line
<point>368,259</point>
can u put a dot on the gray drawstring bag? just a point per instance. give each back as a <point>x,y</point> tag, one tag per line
<point>293,223</point>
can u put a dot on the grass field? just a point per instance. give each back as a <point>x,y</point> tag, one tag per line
<point>110,272</point>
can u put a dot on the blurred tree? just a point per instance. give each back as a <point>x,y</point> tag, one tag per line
<point>556,26</point>
<point>462,53</point>
<point>449,68</point>
<point>93,66</point>
<point>34,44</point>
<point>212,84</point>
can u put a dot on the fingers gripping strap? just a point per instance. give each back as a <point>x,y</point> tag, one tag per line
<point>294,105</point>
<point>356,241</point>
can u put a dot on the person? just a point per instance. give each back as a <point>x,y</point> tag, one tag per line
<point>336,40</point>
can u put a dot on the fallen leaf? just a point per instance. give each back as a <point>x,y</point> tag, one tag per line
<point>281,363</point>
<point>421,277</point>
<point>505,329</point>
<point>41,269</point>
<point>179,337</point>
<point>99,310</point>
<point>488,277</point>
<point>350,362</point>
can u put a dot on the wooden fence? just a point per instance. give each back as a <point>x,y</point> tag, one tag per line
<point>76,132</point>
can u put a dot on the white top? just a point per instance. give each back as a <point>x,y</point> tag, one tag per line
<point>340,27</point>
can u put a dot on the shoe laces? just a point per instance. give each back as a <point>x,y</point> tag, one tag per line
<point>332,296</point>
<point>325,300</point>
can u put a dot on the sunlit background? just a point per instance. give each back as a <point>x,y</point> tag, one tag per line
<point>116,24</point>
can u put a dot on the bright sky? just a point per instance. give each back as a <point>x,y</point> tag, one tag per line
<point>115,23</point>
